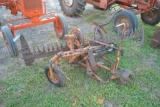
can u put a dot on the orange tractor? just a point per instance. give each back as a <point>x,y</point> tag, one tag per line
<point>149,10</point>
<point>32,10</point>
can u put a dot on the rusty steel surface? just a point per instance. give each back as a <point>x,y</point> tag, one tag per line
<point>87,59</point>
<point>76,45</point>
<point>10,4</point>
<point>100,36</point>
<point>26,53</point>
<point>29,56</point>
<point>155,41</point>
<point>85,55</point>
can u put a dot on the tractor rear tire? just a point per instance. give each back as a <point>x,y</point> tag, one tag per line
<point>151,17</point>
<point>8,39</point>
<point>76,8</point>
<point>61,28</point>
<point>60,78</point>
<point>124,17</point>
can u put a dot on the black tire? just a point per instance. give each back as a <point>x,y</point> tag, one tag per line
<point>76,9</point>
<point>136,24</point>
<point>2,22</point>
<point>62,26</point>
<point>62,78</point>
<point>128,18</point>
<point>8,37</point>
<point>149,18</point>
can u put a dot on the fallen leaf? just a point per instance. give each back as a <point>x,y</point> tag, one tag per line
<point>100,101</point>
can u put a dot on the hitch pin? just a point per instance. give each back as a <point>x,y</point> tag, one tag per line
<point>124,29</point>
<point>122,24</point>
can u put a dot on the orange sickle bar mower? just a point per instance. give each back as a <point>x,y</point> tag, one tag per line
<point>32,10</point>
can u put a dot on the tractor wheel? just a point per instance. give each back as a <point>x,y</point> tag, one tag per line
<point>72,7</point>
<point>80,36</point>
<point>124,17</point>
<point>57,79</point>
<point>61,27</point>
<point>8,39</point>
<point>2,23</point>
<point>134,18</point>
<point>151,17</point>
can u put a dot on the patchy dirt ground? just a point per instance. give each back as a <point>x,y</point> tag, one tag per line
<point>44,35</point>
<point>9,65</point>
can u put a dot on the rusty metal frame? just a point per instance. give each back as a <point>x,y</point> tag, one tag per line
<point>87,56</point>
<point>74,42</point>
<point>88,61</point>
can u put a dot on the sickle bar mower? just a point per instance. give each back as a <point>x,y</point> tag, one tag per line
<point>99,38</point>
<point>85,55</point>
<point>32,10</point>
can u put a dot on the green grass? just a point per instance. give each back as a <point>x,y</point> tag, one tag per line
<point>30,88</point>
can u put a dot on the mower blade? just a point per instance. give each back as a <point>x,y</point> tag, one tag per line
<point>26,52</point>
<point>134,34</point>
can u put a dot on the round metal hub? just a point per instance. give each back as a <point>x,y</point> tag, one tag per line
<point>152,14</point>
<point>79,35</point>
<point>69,3</point>
<point>53,77</point>
<point>125,20</point>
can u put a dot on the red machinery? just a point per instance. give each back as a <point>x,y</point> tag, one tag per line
<point>142,5</point>
<point>149,10</point>
<point>90,55</point>
<point>76,7</point>
<point>32,10</point>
